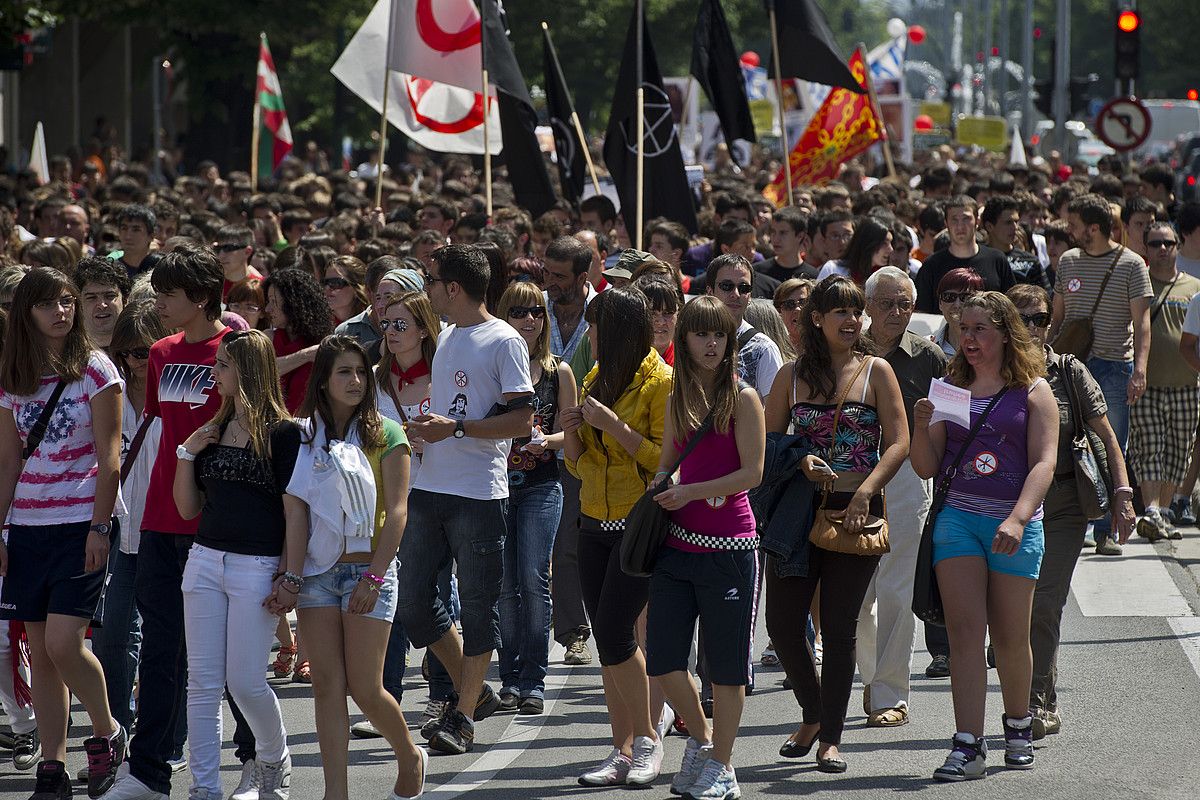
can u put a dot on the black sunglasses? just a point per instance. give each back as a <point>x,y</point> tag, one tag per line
<point>229,248</point>
<point>788,305</point>
<point>520,312</point>
<point>1039,320</point>
<point>955,297</point>
<point>140,353</point>
<point>1157,243</point>
<point>729,286</point>
<point>335,283</point>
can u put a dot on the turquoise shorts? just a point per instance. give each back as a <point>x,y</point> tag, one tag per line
<point>961,533</point>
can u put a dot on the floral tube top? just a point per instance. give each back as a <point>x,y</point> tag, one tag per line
<point>858,434</point>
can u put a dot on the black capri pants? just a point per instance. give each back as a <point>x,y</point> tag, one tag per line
<point>613,599</point>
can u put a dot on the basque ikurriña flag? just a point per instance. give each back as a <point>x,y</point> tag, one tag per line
<point>275,135</point>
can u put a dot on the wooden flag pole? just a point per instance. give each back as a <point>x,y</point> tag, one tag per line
<point>255,133</point>
<point>787,151</point>
<point>887,147</point>
<point>641,128</point>
<point>587,154</point>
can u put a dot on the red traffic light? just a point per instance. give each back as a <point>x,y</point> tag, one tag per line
<point>1128,21</point>
<point>1192,94</point>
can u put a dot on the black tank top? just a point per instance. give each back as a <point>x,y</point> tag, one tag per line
<point>524,468</point>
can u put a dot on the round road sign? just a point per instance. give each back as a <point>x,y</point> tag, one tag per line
<point>1123,124</point>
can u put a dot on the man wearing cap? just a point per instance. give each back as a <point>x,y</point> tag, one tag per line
<point>386,276</point>
<point>621,273</point>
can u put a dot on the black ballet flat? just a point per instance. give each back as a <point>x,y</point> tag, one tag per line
<point>793,749</point>
<point>832,765</point>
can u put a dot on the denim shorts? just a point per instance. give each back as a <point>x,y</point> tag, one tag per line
<point>332,589</point>
<point>962,533</point>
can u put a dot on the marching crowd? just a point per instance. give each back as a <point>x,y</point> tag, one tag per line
<point>415,426</point>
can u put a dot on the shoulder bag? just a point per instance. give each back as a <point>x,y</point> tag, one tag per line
<point>647,523</point>
<point>1088,455</point>
<point>828,530</point>
<point>927,600</point>
<point>1076,337</point>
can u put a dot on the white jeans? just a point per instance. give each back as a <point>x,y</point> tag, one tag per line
<point>228,635</point>
<point>885,628</point>
<point>20,718</point>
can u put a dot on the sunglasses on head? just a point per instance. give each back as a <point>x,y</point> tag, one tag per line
<point>140,353</point>
<point>730,286</point>
<point>229,248</point>
<point>335,283</point>
<point>520,312</point>
<point>1039,320</point>
<point>956,297</point>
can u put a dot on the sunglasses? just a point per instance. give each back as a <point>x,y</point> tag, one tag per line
<point>140,353</point>
<point>1039,320</point>
<point>229,248</point>
<point>789,305</point>
<point>520,312</point>
<point>1157,243</point>
<point>729,286</point>
<point>956,297</point>
<point>335,283</point>
<point>398,325</point>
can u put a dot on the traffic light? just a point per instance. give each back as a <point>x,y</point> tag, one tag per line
<point>1128,44</point>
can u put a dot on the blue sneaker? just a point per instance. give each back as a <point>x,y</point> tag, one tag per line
<point>716,782</point>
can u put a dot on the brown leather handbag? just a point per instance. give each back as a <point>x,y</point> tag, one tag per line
<point>828,530</point>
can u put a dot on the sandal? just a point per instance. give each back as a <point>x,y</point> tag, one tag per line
<point>283,662</point>
<point>769,657</point>
<point>888,718</point>
<point>303,673</point>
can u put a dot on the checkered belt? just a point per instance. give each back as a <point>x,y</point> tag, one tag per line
<point>713,542</point>
<point>594,525</point>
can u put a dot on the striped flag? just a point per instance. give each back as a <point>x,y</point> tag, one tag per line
<point>887,60</point>
<point>274,133</point>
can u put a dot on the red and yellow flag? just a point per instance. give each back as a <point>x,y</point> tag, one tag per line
<point>844,126</point>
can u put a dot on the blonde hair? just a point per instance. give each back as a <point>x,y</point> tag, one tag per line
<point>690,404</point>
<point>253,356</point>
<point>1024,360</point>
<point>524,293</point>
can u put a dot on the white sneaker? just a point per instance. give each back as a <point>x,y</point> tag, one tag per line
<point>424,774</point>
<point>195,793</point>
<point>127,787</point>
<point>647,760</point>
<point>694,757</point>
<point>274,778</point>
<point>716,782</point>
<point>612,771</point>
<point>247,788</point>
<point>665,720</point>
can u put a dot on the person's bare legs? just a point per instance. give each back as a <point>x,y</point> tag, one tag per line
<point>1010,604</point>
<point>466,672</point>
<point>681,691</point>
<point>619,718</point>
<point>630,681</point>
<point>728,703</point>
<point>658,697</point>
<point>61,638</point>
<point>323,631</point>
<point>963,582</point>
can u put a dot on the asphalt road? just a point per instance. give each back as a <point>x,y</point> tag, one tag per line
<point>1129,690</point>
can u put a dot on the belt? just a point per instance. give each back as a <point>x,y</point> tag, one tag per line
<point>587,523</point>
<point>713,542</point>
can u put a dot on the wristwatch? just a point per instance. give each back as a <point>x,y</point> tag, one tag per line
<point>459,430</point>
<point>102,528</point>
<point>182,454</point>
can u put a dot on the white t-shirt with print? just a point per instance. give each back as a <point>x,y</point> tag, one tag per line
<point>58,484</point>
<point>473,369</point>
<point>137,484</point>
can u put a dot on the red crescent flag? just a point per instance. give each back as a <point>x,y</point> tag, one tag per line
<point>275,135</point>
<point>844,126</point>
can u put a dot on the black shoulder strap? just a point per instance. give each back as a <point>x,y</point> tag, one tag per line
<point>704,428</point>
<point>38,431</point>
<point>135,447</point>
<point>745,336</point>
<point>939,494</point>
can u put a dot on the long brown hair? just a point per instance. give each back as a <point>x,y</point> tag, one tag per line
<point>623,340</point>
<point>1024,359</point>
<point>815,367</point>
<point>356,276</point>
<point>690,404</point>
<point>25,358</point>
<point>427,320</point>
<point>258,387</point>
<point>316,398</point>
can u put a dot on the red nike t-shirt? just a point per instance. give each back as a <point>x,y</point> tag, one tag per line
<point>180,391</point>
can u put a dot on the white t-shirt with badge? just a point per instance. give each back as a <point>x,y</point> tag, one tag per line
<point>473,369</point>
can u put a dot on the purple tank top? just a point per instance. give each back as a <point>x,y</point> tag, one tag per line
<point>994,468</point>
<point>716,455</point>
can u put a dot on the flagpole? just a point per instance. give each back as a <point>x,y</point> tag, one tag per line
<point>487,114</point>
<point>587,154</point>
<point>383,121</point>
<point>641,125</point>
<point>255,133</point>
<point>887,147</point>
<point>787,154</point>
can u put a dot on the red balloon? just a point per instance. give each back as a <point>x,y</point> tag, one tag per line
<point>916,34</point>
<point>923,122</point>
<point>750,58</point>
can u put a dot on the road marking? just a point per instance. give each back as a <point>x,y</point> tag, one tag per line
<point>1136,584</point>
<point>1187,631</point>
<point>521,731</point>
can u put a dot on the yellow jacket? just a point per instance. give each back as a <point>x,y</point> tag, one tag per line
<point>612,479</point>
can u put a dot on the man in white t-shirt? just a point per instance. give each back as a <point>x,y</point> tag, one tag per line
<point>730,279</point>
<point>480,399</point>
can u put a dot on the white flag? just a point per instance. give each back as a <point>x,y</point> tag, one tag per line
<point>434,114</point>
<point>1016,153</point>
<point>38,161</point>
<point>439,41</point>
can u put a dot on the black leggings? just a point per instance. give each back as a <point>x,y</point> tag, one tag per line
<point>843,581</point>
<point>613,599</point>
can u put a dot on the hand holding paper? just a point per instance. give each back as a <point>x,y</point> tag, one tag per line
<point>950,403</point>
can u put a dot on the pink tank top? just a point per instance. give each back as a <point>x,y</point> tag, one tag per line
<point>715,456</point>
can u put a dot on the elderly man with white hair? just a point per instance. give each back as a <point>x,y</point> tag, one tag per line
<point>886,623</point>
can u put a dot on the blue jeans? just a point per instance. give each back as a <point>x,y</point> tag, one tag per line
<point>533,514</point>
<point>1113,377</point>
<point>118,642</point>
<point>396,659</point>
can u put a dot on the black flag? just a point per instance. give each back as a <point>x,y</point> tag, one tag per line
<point>522,154</point>
<point>665,189</point>
<point>716,66</point>
<point>806,46</point>
<point>566,141</point>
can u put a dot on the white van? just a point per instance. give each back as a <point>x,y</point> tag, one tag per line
<point>1169,120</point>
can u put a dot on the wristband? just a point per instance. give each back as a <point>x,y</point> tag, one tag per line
<point>1124,490</point>
<point>373,578</point>
<point>293,579</point>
